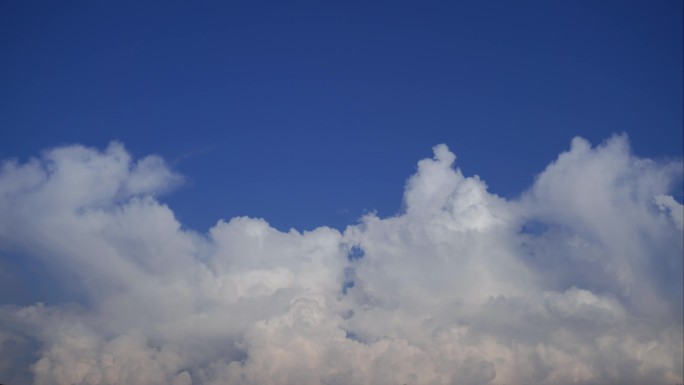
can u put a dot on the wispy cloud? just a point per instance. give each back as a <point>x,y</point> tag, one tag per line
<point>455,289</point>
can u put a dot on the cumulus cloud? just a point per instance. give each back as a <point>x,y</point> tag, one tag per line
<point>577,281</point>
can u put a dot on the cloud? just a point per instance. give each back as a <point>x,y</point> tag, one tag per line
<point>577,281</point>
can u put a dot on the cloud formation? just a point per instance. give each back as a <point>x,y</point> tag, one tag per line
<point>578,281</point>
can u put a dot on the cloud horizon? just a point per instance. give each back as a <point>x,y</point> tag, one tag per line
<point>576,281</point>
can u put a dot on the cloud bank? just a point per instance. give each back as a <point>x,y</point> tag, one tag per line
<point>578,281</point>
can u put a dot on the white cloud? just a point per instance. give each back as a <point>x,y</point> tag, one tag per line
<point>676,209</point>
<point>578,281</point>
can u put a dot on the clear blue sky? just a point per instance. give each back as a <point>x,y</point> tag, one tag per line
<point>308,114</point>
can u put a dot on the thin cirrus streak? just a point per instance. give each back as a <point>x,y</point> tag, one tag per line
<point>577,281</point>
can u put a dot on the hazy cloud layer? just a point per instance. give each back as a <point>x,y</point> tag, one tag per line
<point>579,281</point>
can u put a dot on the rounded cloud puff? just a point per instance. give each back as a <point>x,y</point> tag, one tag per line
<point>578,281</point>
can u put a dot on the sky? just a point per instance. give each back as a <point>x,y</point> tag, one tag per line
<point>332,104</point>
<point>357,193</point>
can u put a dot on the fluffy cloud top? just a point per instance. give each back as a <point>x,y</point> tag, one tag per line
<point>579,281</point>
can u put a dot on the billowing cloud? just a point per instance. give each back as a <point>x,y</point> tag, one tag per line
<point>578,281</point>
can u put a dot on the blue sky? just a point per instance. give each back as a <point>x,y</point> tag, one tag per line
<point>307,113</point>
